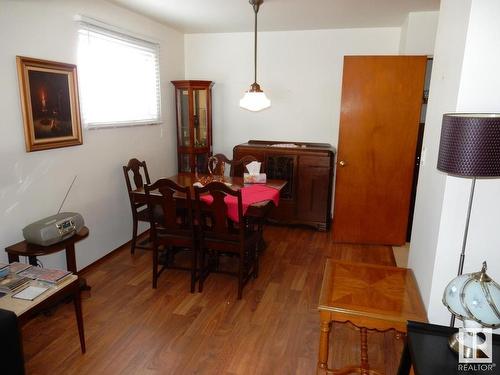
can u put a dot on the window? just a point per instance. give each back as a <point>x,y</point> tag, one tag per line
<point>119,78</point>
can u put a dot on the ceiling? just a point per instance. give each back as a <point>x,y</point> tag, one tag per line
<point>210,16</point>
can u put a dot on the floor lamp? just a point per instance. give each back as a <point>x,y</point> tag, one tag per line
<point>470,148</point>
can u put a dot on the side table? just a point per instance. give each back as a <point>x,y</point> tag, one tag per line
<point>25,310</point>
<point>31,251</point>
<point>370,297</point>
<point>427,351</point>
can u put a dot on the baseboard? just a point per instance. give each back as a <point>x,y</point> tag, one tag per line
<point>113,252</point>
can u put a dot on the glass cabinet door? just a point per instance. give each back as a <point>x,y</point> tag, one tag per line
<point>183,117</point>
<point>194,125</point>
<point>200,120</point>
<point>202,163</point>
<point>184,163</point>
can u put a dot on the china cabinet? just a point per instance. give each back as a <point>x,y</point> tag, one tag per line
<point>194,124</point>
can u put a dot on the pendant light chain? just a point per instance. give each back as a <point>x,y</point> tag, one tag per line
<point>256,10</point>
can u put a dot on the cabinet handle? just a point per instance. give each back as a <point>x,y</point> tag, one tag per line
<point>342,163</point>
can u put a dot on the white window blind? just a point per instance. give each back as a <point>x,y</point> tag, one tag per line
<point>119,78</point>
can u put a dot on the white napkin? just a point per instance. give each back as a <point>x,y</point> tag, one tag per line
<point>253,168</point>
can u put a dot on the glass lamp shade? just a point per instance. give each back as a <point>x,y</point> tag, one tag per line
<point>474,296</point>
<point>255,101</point>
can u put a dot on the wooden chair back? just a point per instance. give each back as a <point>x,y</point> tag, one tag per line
<point>139,172</point>
<point>175,228</point>
<point>136,167</point>
<point>212,217</point>
<point>217,162</point>
<point>176,218</point>
<point>221,235</point>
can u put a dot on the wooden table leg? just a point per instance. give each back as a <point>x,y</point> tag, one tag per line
<point>365,367</point>
<point>33,261</point>
<point>13,257</point>
<point>71,264</point>
<point>70,258</point>
<point>324,341</point>
<point>79,318</point>
<point>405,362</point>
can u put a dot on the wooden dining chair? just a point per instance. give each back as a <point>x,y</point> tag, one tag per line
<point>175,231</point>
<point>217,163</point>
<point>140,211</point>
<point>220,235</point>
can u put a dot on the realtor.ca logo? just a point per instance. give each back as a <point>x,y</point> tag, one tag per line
<point>475,349</point>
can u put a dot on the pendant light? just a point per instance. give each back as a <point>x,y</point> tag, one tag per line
<point>255,100</point>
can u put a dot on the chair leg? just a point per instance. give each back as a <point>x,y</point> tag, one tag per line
<point>217,261</point>
<point>155,266</point>
<point>240,277</point>
<point>260,244</point>
<point>256,261</point>
<point>194,265</point>
<point>134,235</point>
<point>202,270</point>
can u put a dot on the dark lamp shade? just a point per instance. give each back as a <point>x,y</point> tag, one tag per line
<point>470,145</point>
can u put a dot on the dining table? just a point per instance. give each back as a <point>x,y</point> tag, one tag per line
<point>256,212</point>
<point>187,179</point>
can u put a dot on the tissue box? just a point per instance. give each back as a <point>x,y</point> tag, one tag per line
<point>254,178</point>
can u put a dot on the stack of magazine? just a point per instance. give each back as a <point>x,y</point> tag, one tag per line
<point>10,280</point>
<point>20,274</point>
<point>46,275</point>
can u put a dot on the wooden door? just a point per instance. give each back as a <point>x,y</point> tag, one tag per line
<point>380,112</point>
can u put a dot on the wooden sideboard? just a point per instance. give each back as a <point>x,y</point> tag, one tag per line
<point>309,170</point>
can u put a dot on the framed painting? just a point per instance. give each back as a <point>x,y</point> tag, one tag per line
<point>49,101</point>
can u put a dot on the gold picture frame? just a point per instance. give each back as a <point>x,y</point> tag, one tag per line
<point>49,101</point>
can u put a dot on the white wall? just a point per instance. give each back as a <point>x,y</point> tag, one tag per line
<point>32,185</point>
<point>300,72</point>
<point>443,94</point>
<point>418,33</point>
<point>478,92</point>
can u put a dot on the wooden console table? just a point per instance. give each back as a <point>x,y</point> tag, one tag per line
<point>370,297</point>
<point>31,251</point>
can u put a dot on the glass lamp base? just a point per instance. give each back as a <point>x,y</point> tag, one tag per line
<point>467,341</point>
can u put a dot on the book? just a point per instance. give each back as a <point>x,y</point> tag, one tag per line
<point>16,267</point>
<point>30,293</point>
<point>12,282</point>
<point>4,269</point>
<point>52,276</point>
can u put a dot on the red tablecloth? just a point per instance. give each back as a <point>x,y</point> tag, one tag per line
<point>249,195</point>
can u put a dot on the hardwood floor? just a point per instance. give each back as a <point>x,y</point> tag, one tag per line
<point>132,329</point>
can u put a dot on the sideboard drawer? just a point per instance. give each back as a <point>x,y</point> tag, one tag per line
<point>315,161</point>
